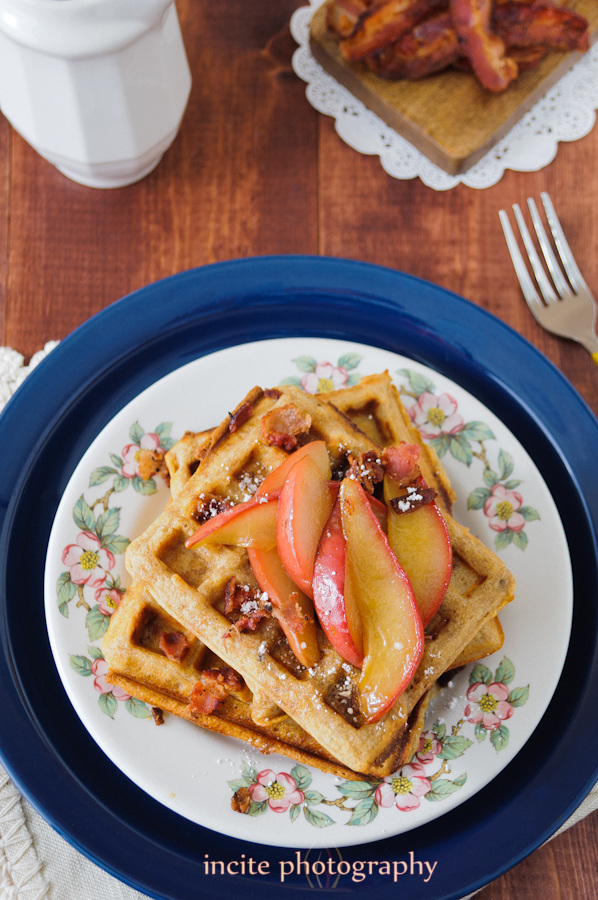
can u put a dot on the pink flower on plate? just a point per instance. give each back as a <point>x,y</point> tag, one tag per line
<point>99,667</point>
<point>280,790</point>
<point>434,415</point>
<point>429,746</point>
<point>142,459</point>
<point>324,378</point>
<point>107,599</point>
<point>87,560</point>
<point>405,788</point>
<point>501,508</point>
<point>488,704</point>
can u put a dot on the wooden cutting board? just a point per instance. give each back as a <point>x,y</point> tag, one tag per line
<point>449,117</point>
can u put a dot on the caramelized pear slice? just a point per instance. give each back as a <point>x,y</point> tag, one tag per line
<point>393,635</point>
<point>248,524</point>
<point>291,607</point>
<point>337,611</point>
<point>305,504</point>
<point>420,541</point>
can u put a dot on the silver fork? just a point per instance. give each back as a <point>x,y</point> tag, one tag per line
<point>571,310</point>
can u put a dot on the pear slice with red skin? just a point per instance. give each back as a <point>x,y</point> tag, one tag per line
<point>338,614</point>
<point>421,543</point>
<point>293,610</point>
<point>275,480</point>
<point>248,524</point>
<point>393,634</point>
<point>306,500</point>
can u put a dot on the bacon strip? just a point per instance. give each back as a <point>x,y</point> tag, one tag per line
<point>343,16</point>
<point>385,23</point>
<point>541,23</point>
<point>484,49</point>
<point>429,48</point>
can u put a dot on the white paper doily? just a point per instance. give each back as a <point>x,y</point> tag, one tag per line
<point>566,113</point>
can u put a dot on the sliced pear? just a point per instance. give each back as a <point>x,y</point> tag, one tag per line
<point>248,524</point>
<point>393,636</point>
<point>292,608</point>
<point>420,541</point>
<point>306,501</point>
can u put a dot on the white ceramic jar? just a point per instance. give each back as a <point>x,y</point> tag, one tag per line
<point>97,87</point>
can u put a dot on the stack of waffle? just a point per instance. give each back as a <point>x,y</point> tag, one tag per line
<point>172,630</point>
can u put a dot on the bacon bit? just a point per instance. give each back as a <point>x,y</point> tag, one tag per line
<point>157,715</point>
<point>402,463</point>
<point>282,425</point>
<point>240,415</point>
<point>150,463</point>
<point>367,469</point>
<point>209,506</point>
<point>272,393</point>
<point>174,645</point>
<point>289,611</point>
<point>416,496</point>
<point>245,607</point>
<point>212,689</point>
<point>241,801</point>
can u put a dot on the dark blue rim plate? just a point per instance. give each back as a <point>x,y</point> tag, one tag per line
<point>60,409</point>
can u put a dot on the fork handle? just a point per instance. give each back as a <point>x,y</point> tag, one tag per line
<point>595,357</point>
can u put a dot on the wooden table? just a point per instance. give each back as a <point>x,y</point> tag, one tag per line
<point>255,170</point>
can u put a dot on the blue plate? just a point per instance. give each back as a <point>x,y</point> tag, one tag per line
<point>64,403</point>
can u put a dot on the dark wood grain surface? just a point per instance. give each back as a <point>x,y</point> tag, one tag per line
<point>255,170</point>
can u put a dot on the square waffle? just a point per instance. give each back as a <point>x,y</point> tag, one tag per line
<point>190,585</point>
<point>133,645</point>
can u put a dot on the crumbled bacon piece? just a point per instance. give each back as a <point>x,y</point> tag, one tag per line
<point>174,645</point>
<point>289,611</point>
<point>401,462</point>
<point>245,607</point>
<point>212,689</point>
<point>272,393</point>
<point>209,506</point>
<point>416,496</point>
<point>151,463</point>
<point>157,715</point>
<point>282,426</point>
<point>240,415</point>
<point>241,801</point>
<point>367,469</point>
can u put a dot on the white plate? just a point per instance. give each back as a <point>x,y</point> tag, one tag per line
<point>195,773</point>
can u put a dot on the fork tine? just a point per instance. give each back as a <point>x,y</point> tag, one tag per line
<point>544,284</point>
<point>560,240</point>
<point>560,282</point>
<point>526,283</point>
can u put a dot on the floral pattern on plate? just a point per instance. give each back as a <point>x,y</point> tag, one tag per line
<point>490,703</point>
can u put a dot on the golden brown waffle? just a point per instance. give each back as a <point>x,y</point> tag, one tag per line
<point>139,666</point>
<point>190,585</point>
